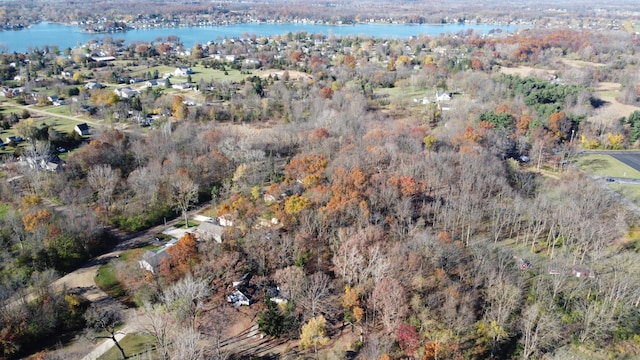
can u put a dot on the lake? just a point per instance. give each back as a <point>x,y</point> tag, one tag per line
<point>69,36</point>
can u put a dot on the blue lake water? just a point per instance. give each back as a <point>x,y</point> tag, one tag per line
<point>64,36</point>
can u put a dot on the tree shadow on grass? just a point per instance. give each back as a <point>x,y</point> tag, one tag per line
<point>597,103</point>
<point>595,164</point>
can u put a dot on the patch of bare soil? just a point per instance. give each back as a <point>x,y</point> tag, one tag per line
<point>293,74</point>
<point>524,71</point>
<point>612,110</point>
<point>580,63</point>
<point>240,336</point>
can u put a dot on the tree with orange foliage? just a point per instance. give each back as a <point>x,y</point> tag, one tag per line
<point>308,169</point>
<point>350,61</point>
<point>179,109</point>
<point>326,92</point>
<point>523,124</point>
<point>559,124</point>
<point>319,134</point>
<point>347,190</point>
<point>353,311</point>
<point>182,257</point>
<point>296,56</point>
<point>33,221</point>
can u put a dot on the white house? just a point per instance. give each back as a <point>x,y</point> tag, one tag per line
<point>183,71</point>
<point>225,220</point>
<point>442,96</point>
<point>181,86</point>
<point>125,92</point>
<point>92,85</point>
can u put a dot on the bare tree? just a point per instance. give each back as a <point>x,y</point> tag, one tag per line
<point>315,290</point>
<point>37,154</point>
<point>186,344</point>
<point>389,300</point>
<point>184,298</point>
<point>290,280</point>
<point>156,322</point>
<point>184,192</point>
<point>540,329</point>
<point>103,179</point>
<point>145,181</point>
<point>105,317</point>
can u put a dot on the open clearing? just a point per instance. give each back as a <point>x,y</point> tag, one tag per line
<point>527,71</point>
<point>606,115</point>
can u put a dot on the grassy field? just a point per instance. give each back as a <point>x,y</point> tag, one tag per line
<point>62,125</point>
<point>605,165</point>
<point>133,344</point>
<point>405,93</point>
<point>199,72</point>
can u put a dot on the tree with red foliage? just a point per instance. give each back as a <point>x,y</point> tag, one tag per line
<point>408,339</point>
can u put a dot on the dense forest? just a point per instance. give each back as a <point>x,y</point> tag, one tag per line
<point>407,226</point>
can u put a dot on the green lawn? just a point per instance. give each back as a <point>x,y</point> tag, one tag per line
<point>107,281</point>
<point>605,165</point>
<point>133,344</point>
<point>199,72</point>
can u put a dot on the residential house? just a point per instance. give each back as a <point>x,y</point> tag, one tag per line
<point>12,140</point>
<point>91,85</point>
<point>225,220</point>
<point>82,129</point>
<point>125,92</point>
<point>9,93</point>
<point>152,83</point>
<point>151,260</point>
<point>182,71</point>
<point>582,272</point>
<point>181,86</point>
<point>56,101</point>
<point>442,96</point>
<point>44,162</point>
<point>102,58</point>
<point>252,63</point>
<point>209,231</point>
